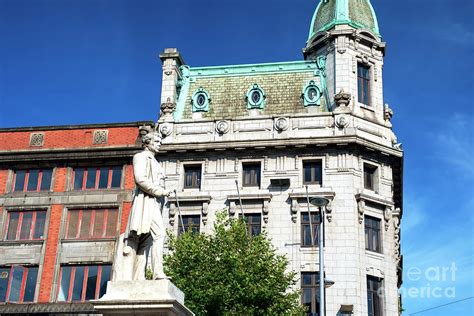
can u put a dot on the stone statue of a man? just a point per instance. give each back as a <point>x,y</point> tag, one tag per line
<point>145,229</point>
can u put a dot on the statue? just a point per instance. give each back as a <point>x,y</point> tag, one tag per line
<point>145,231</point>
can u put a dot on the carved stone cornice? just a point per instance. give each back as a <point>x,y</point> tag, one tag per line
<point>261,197</point>
<point>385,203</point>
<point>189,198</point>
<point>298,196</point>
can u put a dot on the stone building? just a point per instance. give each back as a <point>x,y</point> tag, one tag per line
<point>278,133</point>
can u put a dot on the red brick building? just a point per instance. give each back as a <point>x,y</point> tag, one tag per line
<point>65,195</point>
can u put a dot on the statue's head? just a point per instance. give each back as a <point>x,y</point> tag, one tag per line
<point>152,141</point>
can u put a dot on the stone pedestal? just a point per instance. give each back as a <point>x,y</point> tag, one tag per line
<point>158,297</point>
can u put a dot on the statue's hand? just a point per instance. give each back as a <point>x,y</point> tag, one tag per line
<point>166,193</point>
<point>171,194</point>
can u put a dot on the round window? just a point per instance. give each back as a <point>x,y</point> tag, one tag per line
<point>201,100</point>
<point>256,97</point>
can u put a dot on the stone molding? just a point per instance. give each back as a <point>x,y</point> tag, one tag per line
<point>263,198</point>
<point>386,204</point>
<point>189,198</point>
<point>299,196</point>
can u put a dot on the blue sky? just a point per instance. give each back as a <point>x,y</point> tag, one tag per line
<point>75,62</point>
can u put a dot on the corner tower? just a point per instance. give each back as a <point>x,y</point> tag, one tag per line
<point>347,33</point>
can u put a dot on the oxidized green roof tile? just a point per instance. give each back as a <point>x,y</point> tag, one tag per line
<point>356,13</point>
<point>228,93</point>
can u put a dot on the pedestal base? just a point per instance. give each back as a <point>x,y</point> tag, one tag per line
<point>158,297</point>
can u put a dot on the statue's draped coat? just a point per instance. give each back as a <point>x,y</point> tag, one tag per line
<point>146,208</point>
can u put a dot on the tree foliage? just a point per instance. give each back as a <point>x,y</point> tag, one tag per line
<point>231,273</point>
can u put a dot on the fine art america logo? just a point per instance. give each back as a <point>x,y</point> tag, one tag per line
<point>432,282</point>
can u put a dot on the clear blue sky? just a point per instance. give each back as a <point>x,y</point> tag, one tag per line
<point>74,62</point>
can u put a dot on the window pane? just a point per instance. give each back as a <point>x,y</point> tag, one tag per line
<point>46,180</point>
<point>91,176</point>
<point>33,180</point>
<point>30,285</point>
<point>4,275</point>
<point>19,180</point>
<point>39,225</point>
<point>65,281</point>
<point>13,225</point>
<point>15,286</point>
<point>91,282</point>
<point>85,224</point>
<point>105,276</point>
<point>26,225</point>
<point>78,178</point>
<point>103,178</point>
<point>116,177</point>
<point>73,224</point>
<point>307,173</point>
<point>99,223</point>
<point>78,281</point>
<point>111,223</point>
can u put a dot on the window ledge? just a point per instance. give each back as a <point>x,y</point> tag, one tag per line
<point>366,107</point>
<point>17,242</point>
<point>314,249</point>
<point>374,254</point>
<point>373,197</point>
<point>70,241</point>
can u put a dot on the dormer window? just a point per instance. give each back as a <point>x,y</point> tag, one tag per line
<point>311,94</point>
<point>255,98</point>
<point>201,100</point>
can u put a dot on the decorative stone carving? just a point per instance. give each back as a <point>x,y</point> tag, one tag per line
<point>36,139</point>
<point>380,203</point>
<point>342,98</point>
<point>166,129</point>
<point>342,121</point>
<point>281,124</point>
<point>387,215</point>
<point>329,212</point>
<point>396,236</point>
<point>387,113</point>
<point>167,108</point>
<point>195,201</point>
<point>264,199</point>
<point>300,197</point>
<point>361,210</point>
<point>294,210</point>
<point>100,137</point>
<point>222,127</point>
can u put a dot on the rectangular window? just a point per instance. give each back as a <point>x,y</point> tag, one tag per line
<point>32,180</point>
<point>83,283</point>
<point>313,172</point>
<point>306,229</point>
<point>192,223</point>
<point>97,178</point>
<point>363,83</point>
<point>192,176</point>
<point>370,177</point>
<point>310,292</point>
<point>91,223</point>
<point>374,296</point>
<point>18,284</point>
<point>373,241</point>
<point>251,174</point>
<point>254,223</point>
<point>25,225</point>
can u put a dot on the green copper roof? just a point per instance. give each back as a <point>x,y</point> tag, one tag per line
<point>356,13</point>
<point>283,84</point>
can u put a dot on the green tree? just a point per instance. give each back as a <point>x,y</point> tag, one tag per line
<point>232,273</point>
